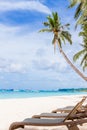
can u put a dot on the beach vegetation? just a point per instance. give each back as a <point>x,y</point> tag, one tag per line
<point>82,54</point>
<point>81,18</point>
<point>81,10</point>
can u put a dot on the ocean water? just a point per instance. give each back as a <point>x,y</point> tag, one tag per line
<point>11,93</point>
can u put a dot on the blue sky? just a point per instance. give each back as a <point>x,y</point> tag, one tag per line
<point>27,58</point>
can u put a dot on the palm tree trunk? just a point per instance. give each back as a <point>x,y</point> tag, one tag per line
<point>70,63</point>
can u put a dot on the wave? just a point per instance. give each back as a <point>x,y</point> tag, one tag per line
<point>41,91</point>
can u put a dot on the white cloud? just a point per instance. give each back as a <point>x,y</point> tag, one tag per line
<point>49,62</point>
<point>22,50</point>
<point>8,30</point>
<point>23,5</point>
<point>16,67</point>
<point>11,66</point>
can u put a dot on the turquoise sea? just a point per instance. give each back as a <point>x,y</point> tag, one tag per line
<point>25,93</point>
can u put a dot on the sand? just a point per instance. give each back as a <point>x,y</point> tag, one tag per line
<point>18,109</point>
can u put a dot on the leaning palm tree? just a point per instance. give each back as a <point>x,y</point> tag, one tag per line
<point>60,35</point>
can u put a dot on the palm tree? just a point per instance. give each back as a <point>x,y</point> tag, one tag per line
<point>83,52</point>
<point>81,10</point>
<point>81,17</point>
<point>60,34</point>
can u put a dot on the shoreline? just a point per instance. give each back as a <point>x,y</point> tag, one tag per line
<point>46,96</point>
<point>12,110</point>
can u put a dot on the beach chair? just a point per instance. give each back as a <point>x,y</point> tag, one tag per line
<point>71,125</point>
<point>67,109</point>
<point>68,121</point>
<point>62,114</point>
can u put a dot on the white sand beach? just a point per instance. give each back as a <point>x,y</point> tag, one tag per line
<point>12,110</point>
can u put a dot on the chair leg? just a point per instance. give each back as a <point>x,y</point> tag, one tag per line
<point>15,127</point>
<point>22,126</point>
<point>72,127</point>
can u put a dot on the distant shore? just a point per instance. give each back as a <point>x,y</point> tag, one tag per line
<point>18,109</point>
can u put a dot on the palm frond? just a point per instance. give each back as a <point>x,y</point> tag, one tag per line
<point>80,21</point>
<point>72,3</point>
<point>51,21</point>
<point>56,20</point>
<point>65,26</point>
<point>45,30</point>
<point>78,11</point>
<point>84,66</point>
<point>46,24</point>
<point>84,46</point>
<point>62,38</point>
<point>67,36</point>
<point>78,55</point>
<point>82,34</point>
<point>55,16</point>
<point>84,59</point>
<point>59,42</point>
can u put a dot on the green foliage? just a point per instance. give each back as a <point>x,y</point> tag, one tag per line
<point>67,36</point>
<point>54,25</point>
<point>81,10</point>
<point>72,3</point>
<point>60,34</point>
<point>83,55</point>
<point>81,17</point>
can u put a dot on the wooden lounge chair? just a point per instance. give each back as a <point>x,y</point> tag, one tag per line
<point>66,109</point>
<point>71,125</point>
<point>68,121</point>
<point>69,108</point>
<point>63,114</point>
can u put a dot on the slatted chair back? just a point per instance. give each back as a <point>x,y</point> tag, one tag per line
<point>75,109</point>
